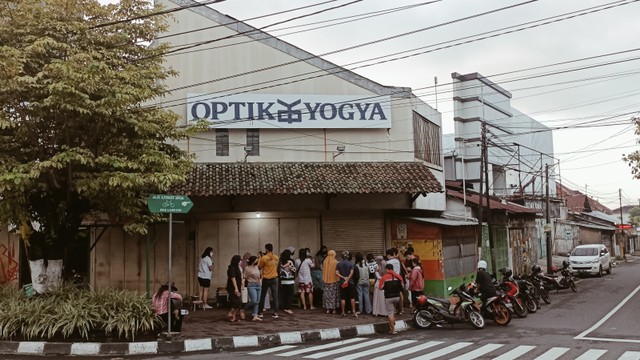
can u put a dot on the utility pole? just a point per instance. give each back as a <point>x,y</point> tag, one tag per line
<point>487,191</point>
<point>547,228</point>
<point>480,209</point>
<point>624,255</point>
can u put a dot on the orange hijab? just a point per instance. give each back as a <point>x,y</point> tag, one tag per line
<point>329,268</point>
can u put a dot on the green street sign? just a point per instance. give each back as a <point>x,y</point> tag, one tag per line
<point>171,204</point>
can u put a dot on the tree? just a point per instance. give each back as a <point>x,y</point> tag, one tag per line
<point>634,216</point>
<point>78,135</point>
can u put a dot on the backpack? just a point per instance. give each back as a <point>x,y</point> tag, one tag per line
<point>392,288</point>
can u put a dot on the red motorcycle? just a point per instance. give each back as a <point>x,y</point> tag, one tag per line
<point>512,293</point>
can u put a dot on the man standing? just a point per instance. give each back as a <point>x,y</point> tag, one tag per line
<point>269,265</point>
<point>391,283</point>
<point>344,270</point>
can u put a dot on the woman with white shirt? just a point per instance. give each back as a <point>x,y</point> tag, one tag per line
<point>205,270</point>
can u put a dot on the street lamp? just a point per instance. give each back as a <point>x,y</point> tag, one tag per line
<point>340,149</point>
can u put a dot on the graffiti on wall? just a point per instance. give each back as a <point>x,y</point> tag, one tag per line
<point>8,265</point>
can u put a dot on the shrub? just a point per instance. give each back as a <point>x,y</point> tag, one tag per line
<point>72,312</point>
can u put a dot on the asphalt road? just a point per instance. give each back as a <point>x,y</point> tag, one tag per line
<point>600,321</point>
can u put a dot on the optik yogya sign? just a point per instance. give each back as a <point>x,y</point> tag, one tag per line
<point>290,111</point>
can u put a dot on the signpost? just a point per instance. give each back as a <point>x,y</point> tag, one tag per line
<point>169,204</point>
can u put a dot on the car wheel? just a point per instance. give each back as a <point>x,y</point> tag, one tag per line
<point>609,269</point>
<point>600,271</point>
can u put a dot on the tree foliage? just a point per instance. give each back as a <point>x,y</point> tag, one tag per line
<point>79,133</point>
<point>633,159</point>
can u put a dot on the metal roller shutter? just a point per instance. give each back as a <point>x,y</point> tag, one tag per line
<point>364,235</point>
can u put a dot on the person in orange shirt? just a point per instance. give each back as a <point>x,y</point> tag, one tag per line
<point>391,283</point>
<point>269,265</point>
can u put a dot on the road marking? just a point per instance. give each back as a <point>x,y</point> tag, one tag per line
<point>591,354</point>
<point>408,351</point>
<point>345,349</point>
<point>376,350</point>
<point>444,351</point>
<point>515,353</point>
<point>271,350</point>
<point>478,352</point>
<point>630,355</point>
<point>582,336</point>
<point>322,347</point>
<point>553,353</point>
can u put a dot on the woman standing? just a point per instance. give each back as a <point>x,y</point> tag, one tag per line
<point>330,279</point>
<point>205,270</point>
<point>379,307</point>
<point>287,280</point>
<point>234,287</point>
<point>305,283</point>
<point>253,278</point>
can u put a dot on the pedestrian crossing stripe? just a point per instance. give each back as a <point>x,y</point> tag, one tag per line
<point>377,349</point>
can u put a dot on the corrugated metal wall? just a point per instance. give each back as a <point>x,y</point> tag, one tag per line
<point>355,234</point>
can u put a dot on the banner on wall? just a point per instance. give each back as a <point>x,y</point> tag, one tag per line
<point>267,111</point>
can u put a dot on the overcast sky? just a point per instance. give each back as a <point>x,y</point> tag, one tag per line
<point>589,103</point>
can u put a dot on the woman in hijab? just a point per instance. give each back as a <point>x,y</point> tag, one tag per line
<point>330,279</point>
<point>379,307</point>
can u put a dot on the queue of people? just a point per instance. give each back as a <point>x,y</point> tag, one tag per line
<point>348,285</point>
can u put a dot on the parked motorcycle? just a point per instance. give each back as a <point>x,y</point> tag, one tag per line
<point>512,293</point>
<point>461,307</point>
<point>527,290</point>
<point>539,291</point>
<point>496,308</point>
<point>564,281</point>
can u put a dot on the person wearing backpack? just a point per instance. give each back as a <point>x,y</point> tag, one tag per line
<point>362,285</point>
<point>391,284</point>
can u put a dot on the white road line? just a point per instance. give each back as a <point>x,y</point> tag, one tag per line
<point>345,349</point>
<point>553,353</point>
<point>630,355</point>
<point>515,353</point>
<point>444,351</point>
<point>591,354</point>
<point>272,350</point>
<point>408,351</point>
<point>321,347</point>
<point>606,317</point>
<point>478,352</point>
<point>376,350</point>
<point>634,341</point>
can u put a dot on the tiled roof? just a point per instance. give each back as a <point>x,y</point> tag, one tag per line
<point>219,179</point>
<point>474,199</point>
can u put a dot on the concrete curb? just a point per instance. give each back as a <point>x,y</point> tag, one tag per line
<point>192,345</point>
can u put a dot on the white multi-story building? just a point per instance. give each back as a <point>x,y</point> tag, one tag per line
<point>300,152</point>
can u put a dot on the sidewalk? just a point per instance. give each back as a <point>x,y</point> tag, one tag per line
<point>209,330</point>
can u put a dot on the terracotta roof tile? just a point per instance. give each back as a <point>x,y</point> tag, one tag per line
<point>219,179</point>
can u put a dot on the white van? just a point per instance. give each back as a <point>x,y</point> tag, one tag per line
<point>590,259</point>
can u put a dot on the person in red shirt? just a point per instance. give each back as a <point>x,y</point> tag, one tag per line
<point>391,283</point>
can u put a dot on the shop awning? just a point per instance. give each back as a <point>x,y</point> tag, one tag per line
<point>473,198</point>
<point>220,179</point>
<point>446,221</point>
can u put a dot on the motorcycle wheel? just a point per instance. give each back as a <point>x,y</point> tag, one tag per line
<point>544,294</point>
<point>531,304</point>
<point>421,318</point>
<point>475,318</point>
<point>519,308</point>
<point>572,285</point>
<point>502,315</point>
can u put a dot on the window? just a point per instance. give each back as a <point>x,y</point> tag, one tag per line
<point>222,142</point>
<point>427,142</point>
<point>253,140</point>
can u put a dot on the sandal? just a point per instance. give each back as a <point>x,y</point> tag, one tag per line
<point>231,317</point>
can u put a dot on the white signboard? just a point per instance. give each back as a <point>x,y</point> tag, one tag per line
<point>287,111</point>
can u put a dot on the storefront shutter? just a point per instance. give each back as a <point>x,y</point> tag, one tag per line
<point>364,235</point>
